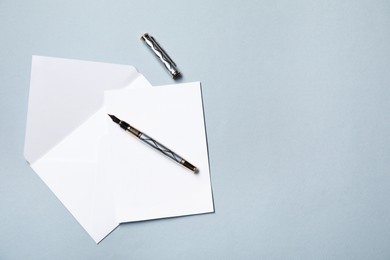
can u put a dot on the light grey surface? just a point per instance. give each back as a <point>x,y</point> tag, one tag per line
<point>297,101</point>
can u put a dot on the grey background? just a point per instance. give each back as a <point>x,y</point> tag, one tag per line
<point>296,97</point>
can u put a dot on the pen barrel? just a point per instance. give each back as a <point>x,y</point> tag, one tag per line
<point>160,147</point>
<point>166,151</point>
<point>161,55</point>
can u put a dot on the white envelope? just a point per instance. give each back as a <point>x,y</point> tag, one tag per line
<point>81,154</point>
<point>65,123</point>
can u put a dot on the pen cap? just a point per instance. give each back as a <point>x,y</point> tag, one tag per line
<point>161,55</point>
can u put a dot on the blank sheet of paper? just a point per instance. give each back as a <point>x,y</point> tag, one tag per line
<point>149,185</point>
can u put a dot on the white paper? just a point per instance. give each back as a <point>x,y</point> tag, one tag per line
<point>63,94</point>
<point>101,174</point>
<point>66,121</point>
<point>71,169</point>
<point>149,185</point>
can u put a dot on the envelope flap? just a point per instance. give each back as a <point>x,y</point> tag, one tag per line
<point>63,94</point>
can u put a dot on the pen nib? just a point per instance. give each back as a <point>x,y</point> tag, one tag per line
<point>115,119</point>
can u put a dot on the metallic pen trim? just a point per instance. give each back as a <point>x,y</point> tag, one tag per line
<point>161,55</point>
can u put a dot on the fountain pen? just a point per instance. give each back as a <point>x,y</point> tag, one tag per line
<point>153,143</point>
